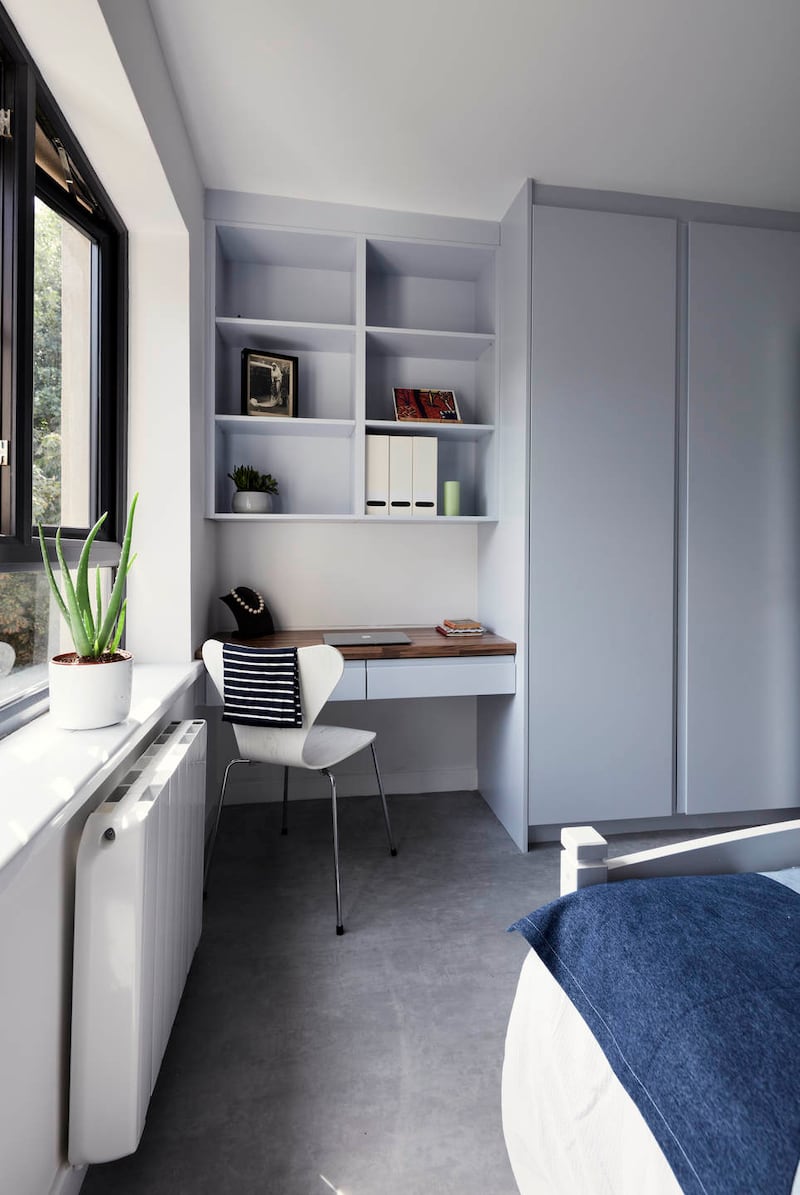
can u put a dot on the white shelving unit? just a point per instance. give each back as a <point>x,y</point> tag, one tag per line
<point>363,315</point>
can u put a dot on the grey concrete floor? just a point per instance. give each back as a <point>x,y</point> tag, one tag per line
<point>369,1063</point>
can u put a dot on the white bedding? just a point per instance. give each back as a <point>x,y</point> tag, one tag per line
<point>570,1126</point>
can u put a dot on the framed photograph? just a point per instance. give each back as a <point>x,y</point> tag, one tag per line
<point>269,383</point>
<point>426,406</point>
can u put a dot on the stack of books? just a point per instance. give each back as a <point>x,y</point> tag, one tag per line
<point>460,626</point>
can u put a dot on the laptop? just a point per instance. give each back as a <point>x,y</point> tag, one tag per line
<point>364,638</point>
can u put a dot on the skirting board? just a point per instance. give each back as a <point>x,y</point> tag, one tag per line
<point>69,1180</point>
<point>258,784</point>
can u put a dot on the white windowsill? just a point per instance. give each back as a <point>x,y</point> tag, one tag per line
<point>46,773</point>
<point>20,684</point>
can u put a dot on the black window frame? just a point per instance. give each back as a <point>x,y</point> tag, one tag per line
<point>25,93</point>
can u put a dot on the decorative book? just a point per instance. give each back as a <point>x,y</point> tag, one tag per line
<point>425,406</point>
<point>460,626</point>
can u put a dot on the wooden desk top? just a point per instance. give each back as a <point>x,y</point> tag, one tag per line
<point>426,643</point>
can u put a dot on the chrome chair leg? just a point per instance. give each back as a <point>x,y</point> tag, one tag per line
<point>392,847</point>
<point>339,926</point>
<point>285,821</point>
<point>213,838</point>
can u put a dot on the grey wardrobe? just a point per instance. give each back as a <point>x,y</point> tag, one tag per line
<point>664,635</point>
<point>739,662</point>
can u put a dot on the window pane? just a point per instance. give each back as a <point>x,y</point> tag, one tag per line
<point>62,379</point>
<point>25,632</point>
<point>32,630</point>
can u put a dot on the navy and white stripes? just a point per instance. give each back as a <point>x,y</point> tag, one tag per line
<point>262,686</point>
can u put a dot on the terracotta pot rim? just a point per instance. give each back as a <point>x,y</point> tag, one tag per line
<point>70,658</point>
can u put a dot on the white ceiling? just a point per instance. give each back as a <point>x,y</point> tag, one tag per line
<point>447,105</point>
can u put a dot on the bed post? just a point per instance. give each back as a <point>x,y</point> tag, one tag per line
<point>584,859</point>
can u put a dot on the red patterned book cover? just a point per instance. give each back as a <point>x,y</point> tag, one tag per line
<point>428,406</point>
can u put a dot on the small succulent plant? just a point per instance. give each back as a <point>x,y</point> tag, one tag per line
<point>95,633</point>
<point>249,480</point>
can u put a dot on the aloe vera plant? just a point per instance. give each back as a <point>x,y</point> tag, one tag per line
<point>95,632</point>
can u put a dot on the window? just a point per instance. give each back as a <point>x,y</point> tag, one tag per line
<point>63,285</point>
<point>62,359</point>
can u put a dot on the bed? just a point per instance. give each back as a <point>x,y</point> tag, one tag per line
<point>654,1042</point>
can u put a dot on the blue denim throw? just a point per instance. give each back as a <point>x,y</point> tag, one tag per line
<point>691,986</point>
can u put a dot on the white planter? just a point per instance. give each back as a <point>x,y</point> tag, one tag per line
<point>89,695</point>
<point>252,502</point>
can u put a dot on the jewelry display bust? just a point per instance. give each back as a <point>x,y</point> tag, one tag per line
<point>248,607</point>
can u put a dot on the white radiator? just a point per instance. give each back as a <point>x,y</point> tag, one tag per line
<point>138,914</point>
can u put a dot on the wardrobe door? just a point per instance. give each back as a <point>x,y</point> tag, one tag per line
<point>739,658</point>
<point>602,550</point>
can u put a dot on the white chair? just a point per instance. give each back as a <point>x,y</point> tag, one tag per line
<point>316,748</point>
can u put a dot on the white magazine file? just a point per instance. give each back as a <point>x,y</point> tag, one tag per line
<point>377,475</point>
<point>400,475</point>
<point>424,452</point>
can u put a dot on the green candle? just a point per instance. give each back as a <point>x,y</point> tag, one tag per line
<point>452,498</point>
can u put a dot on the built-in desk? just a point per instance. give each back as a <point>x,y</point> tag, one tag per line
<point>431,665</point>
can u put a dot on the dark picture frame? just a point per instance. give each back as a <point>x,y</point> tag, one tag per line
<point>269,384</point>
<point>425,406</point>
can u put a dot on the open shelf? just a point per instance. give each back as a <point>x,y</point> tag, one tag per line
<point>313,464</point>
<point>325,364</point>
<point>275,274</point>
<point>363,315</point>
<point>222,517</point>
<point>282,336</point>
<point>421,285</point>
<point>419,342</point>
<point>472,380</point>
<point>443,431</point>
<point>254,425</point>
<point>437,520</point>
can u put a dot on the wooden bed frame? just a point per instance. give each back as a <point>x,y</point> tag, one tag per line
<point>585,860</point>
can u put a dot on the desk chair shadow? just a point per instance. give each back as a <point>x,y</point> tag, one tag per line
<point>316,748</point>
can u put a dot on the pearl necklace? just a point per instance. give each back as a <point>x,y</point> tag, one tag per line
<point>244,605</point>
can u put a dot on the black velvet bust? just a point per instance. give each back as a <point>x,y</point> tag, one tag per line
<point>251,623</point>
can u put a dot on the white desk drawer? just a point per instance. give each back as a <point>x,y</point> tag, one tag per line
<point>353,685</point>
<point>448,677</point>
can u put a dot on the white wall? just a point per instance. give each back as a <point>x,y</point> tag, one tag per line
<point>159,588</point>
<point>503,556</point>
<point>186,543</point>
<point>324,575</point>
<point>33,981</point>
<point>76,54</point>
<point>422,746</point>
<point>349,575</point>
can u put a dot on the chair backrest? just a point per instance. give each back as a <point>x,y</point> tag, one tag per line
<point>320,669</point>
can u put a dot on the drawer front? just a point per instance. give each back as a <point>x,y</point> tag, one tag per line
<point>440,678</point>
<point>353,685</point>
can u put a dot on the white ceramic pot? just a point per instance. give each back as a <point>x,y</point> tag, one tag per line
<point>85,696</point>
<point>252,502</point>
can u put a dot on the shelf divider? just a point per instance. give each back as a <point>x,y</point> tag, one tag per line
<point>280,425</point>
<point>430,427</point>
<point>422,342</point>
<point>238,331</point>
